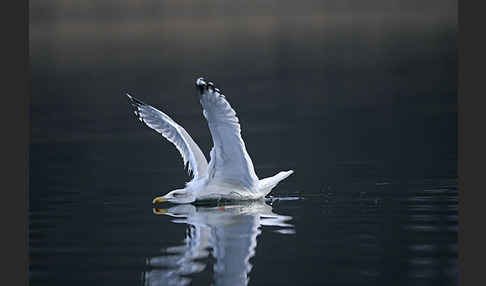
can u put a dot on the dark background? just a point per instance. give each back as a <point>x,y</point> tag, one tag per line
<point>380,76</point>
<point>342,92</point>
<point>370,81</point>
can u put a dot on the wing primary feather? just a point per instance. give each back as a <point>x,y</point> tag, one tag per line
<point>229,159</point>
<point>193,158</point>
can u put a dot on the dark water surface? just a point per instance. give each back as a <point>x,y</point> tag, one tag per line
<point>337,222</point>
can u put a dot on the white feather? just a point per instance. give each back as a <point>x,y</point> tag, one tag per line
<point>230,173</point>
<point>230,161</point>
<point>192,155</point>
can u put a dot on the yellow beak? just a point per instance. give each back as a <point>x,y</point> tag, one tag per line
<point>159,200</point>
<point>158,211</point>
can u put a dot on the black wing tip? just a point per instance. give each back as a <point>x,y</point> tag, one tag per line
<point>135,102</point>
<point>203,84</point>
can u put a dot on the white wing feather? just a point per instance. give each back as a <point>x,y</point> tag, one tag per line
<point>191,153</point>
<point>230,161</point>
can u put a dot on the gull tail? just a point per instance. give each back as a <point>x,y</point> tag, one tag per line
<point>267,184</point>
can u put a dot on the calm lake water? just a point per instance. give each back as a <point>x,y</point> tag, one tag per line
<point>331,223</point>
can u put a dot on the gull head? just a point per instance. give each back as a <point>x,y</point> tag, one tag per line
<point>180,196</point>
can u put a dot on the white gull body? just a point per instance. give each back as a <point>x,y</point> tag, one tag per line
<point>230,174</point>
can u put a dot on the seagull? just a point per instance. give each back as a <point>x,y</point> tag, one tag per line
<point>230,174</point>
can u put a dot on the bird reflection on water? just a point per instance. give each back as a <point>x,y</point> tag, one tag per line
<point>226,231</point>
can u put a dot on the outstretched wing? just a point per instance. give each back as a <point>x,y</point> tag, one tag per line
<point>191,154</point>
<point>230,161</point>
